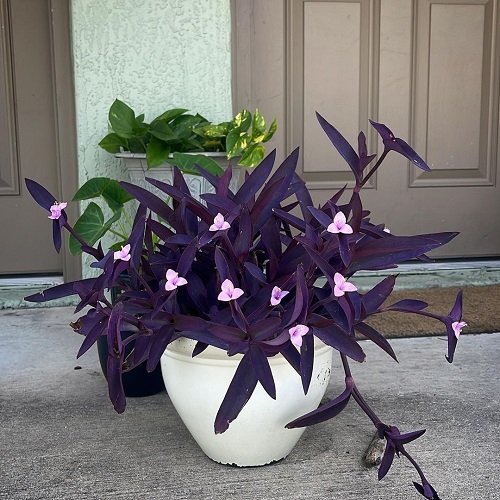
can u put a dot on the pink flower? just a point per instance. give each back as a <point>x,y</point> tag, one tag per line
<point>229,292</point>
<point>123,254</point>
<point>296,334</point>
<point>173,280</point>
<point>219,224</point>
<point>457,327</point>
<point>342,286</point>
<point>339,225</point>
<point>277,294</point>
<point>56,210</point>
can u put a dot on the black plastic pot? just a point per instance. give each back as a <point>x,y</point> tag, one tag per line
<point>137,382</point>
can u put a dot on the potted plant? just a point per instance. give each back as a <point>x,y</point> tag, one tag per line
<point>261,279</point>
<point>177,138</point>
<point>174,138</point>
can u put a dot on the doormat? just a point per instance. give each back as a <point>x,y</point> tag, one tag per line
<point>481,312</point>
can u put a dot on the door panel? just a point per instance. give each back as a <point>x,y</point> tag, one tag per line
<point>429,69</point>
<point>28,142</point>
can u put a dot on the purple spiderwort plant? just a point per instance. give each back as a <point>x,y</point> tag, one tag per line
<point>240,273</point>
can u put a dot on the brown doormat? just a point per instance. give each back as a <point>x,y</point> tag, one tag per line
<point>481,311</point>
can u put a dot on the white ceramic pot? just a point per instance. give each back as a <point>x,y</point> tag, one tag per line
<point>137,169</point>
<point>258,436</point>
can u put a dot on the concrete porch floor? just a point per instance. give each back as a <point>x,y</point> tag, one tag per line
<point>61,439</point>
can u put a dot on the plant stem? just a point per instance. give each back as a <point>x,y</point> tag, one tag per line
<point>121,235</point>
<point>357,395</point>
<point>372,171</point>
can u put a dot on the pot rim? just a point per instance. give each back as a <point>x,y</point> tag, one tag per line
<point>182,348</point>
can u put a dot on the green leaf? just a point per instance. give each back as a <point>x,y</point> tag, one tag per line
<point>156,153</point>
<point>236,142</point>
<point>112,143</point>
<point>252,156</point>
<point>109,189</point>
<point>271,131</point>
<point>243,120</point>
<point>186,163</point>
<point>115,195</point>
<point>258,126</point>
<point>122,119</point>
<point>91,189</point>
<point>169,115</point>
<point>163,131</point>
<point>91,226</point>
<point>212,130</point>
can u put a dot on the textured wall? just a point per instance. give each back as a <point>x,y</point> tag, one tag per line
<point>153,54</point>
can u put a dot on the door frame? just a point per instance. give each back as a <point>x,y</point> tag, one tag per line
<point>65,119</point>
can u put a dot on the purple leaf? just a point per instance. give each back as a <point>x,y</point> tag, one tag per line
<point>345,253</point>
<point>58,291</point>
<point>149,199</point>
<point>255,272</point>
<point>341,144</point>
<point>40,194</point>
<point>374,298</point>
<point>306,361</point>
<point>187,258</point>
<point>326,411</point>
<point>262,329</point>
<point>324,219</point>
<point>262,370</point>
<point>244,238</point>
<point>455,315</point>
<point>275,191</point>
<point>92,336</point>
<point>376,338</point>
<point>387,460</point>
<point>219,202</point>
<point>333,336</point>
<point>393,143</point>
<point>407,305</point>
<point>386,252</point>
<point>195,206</point>
<point>291,219</point>
<point>240,389</point>
<point>115,384</point>
<point>256,180</point>
<point>159,342</point>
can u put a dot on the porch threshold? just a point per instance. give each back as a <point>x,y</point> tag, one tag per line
<point>14,289</point>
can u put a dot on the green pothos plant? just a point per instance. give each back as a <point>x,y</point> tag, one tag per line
<point>176,131</point>
<point>175,136</point>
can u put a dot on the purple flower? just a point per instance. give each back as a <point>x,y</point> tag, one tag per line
<point>342,286</point>
<point>229,292</point>
<point>56,210</point>
<point>457,327</point>
<point>123,254</point>
<point>219,223</point>
<point>174,280</point>
<point>339,225</point>
<point>277,294</point>
<point>296,334</point>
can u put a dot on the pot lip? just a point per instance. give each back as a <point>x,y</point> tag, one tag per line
<point>182,348</point>
<point>142,156</point>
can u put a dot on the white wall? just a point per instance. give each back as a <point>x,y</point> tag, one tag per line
<point>152,54</point>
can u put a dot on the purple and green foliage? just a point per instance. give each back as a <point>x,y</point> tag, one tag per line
<point>257,272</point>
